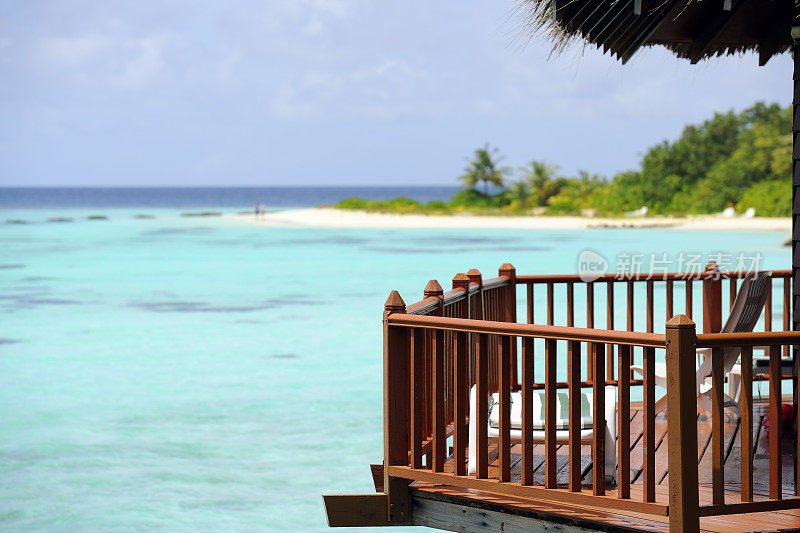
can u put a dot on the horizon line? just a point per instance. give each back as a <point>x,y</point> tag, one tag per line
<point>337,186</point>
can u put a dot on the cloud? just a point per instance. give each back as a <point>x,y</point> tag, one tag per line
<point>381,89</point>
<point>123,61</point>
<point>72,51</point>
<point>146,63</point>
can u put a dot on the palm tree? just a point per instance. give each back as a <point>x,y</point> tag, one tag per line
<point>483,167</point>
<point>588,183</point>
<point>520,194</point>
<point>541,177</point>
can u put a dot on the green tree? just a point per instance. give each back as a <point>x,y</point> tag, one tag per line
<point>576,194</point>
<point>768,198</point>
<point>484,168</point>
<point>710,166</point>
<point>542,181</point>
<point>520,195</point>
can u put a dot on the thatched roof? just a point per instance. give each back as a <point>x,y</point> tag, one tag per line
<point>692,29</point>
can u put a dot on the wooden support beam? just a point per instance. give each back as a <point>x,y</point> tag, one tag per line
<point>646,31</point>
<point>356,510</point>
<point>453,514</point>
<point>710,29</point>
<point>773,39</point>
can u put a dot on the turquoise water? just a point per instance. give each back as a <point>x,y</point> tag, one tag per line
<point>206,374</point>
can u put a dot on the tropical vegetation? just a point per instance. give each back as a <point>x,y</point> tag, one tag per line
<point>740,160</point>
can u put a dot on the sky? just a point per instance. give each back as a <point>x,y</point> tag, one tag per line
<point>329,92</point>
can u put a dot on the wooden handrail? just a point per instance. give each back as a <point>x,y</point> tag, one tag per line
<point>493,283</point>
<point>646,276</point>
<point>423,307</point>
<point>629,338</point>
<point>753,338</point>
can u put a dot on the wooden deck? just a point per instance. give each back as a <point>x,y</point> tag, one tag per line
<point>437,349</point>
<point>786,520</point>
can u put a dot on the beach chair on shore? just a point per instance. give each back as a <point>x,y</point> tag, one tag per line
<point>562,433</point>
<point>744,315</point>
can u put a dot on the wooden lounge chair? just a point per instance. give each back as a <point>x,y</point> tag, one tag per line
<point>562,434</point>
<point>744,315</point>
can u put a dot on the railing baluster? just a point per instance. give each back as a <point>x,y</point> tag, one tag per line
<point>504,356</point>
<point>630,305</point>
<point>574,384</point>
<point>417,395</point>
<point>610,326</point>
<point>527,410</point>
<point>717,427</point>
<point>482,392</point>
<point>529,302</point>
<point>768,308</point>
<point>550,413</point>
<point>712,299</point>
<point>775,458</point>
<point>570,304</point>
<point>649,430</point>
<point>787,298</point>
<point>689,294</point>
<point>624,421</point>
<point>746,424</point>
<point>461,402</point>
<point>599,423</point>
<point>589,324</point>
<point>650,305</point>
<point>550,303</point>
<point>670,298</point>
<point>439,420</point>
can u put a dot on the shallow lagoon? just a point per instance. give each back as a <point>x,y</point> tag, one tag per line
<point>202,373</point>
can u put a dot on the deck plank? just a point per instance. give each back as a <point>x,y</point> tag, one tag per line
<point>784,520</point>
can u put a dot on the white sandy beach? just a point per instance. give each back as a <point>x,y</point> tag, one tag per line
<point>339,218</point>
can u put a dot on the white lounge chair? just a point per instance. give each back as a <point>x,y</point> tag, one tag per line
<point>743,317</point>
<point>562,403</point>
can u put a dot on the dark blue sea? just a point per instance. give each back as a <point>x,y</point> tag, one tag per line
<point>189,197</point>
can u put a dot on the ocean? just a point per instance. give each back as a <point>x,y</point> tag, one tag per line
<point>164,372</point>
<point>218,197</point>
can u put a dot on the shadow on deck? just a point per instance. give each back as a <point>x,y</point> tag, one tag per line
<point>470,507</point>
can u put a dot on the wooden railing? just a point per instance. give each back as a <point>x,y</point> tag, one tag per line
<point>640,294</point>
<point>682,343</point>
<point>439,348</point>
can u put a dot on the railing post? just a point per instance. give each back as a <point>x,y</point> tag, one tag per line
<point>396,344</point>
<point>476,313</point>
<point>434,290</point>
<point>510,308</point>
<point>510,314</point>
<point>461,351</point>
<point>712,300</point>
<point>684,503</point>
<point>461,281</point>
<point>474,276</point>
